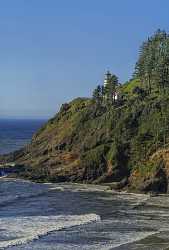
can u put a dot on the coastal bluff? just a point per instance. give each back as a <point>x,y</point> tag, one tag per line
<point>119,136</point>
<point>87,143</point>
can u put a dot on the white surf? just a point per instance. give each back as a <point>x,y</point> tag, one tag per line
<point>21,230</point>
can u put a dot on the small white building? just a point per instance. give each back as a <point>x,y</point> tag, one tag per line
<point>107,80</point>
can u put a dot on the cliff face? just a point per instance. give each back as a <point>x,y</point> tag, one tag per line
<point>125,144</point>
<point>73,146</point>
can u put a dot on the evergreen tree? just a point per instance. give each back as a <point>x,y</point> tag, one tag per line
<point>111,89</point>
<point>153,63</point>
<point>97,94</point>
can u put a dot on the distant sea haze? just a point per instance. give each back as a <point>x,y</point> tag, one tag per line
<point>16,133</point>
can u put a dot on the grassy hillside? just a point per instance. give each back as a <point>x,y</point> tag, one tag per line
<point>87,142</point>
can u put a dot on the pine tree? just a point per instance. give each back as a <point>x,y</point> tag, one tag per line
<point>111,90</point>
<point>153,63</point>
<point>97,94</point>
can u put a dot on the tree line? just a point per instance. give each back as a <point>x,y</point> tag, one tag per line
<point>153,64</point>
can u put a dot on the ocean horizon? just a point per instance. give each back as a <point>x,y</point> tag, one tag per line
<point>15,133</point>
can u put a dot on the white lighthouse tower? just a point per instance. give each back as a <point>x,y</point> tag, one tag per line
<point>107,78</point>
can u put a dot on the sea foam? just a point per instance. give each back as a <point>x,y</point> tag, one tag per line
<point>21,230</point>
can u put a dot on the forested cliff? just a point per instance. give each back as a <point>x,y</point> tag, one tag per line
<point>104,139</point>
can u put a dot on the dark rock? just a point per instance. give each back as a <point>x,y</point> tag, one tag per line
<point>158,184</point>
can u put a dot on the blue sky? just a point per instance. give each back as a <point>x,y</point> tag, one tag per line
<point>52,51</point>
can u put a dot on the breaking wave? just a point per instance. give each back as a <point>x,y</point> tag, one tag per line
<point>21,230</point>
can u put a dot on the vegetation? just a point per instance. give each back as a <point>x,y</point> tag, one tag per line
<point>153,64</point>
<point>110,139</point>
<point>106,95</point>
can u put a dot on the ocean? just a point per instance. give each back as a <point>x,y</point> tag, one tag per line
<point>75,216</point>
<point>16,133</point>
<point>80,217</point>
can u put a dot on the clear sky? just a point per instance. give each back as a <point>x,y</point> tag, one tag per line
<point>54,50</point>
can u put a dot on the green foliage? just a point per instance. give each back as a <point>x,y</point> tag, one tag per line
<point>106,95</point>
<point>108,137</point>
<point>97,94</point>
<point>94,162</point>
<point>153,63</point>
<point>128,87</point>
<point>111,89</point>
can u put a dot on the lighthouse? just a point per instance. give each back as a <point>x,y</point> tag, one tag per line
<point>107,78</point>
